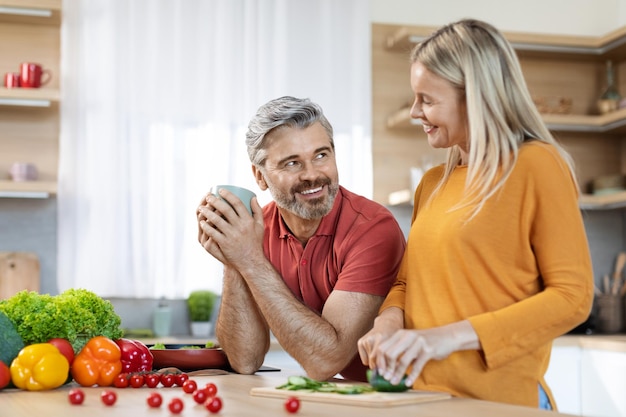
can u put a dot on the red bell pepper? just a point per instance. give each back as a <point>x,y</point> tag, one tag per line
<point>136,357</point>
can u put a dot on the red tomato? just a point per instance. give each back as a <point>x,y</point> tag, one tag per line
<point>108,397</point>
<point>152,380</point>
<point>292,405</point>
<point>211,389</point>
<point>76,396</point>
<point>136,380</point>
<point>190,386</point>
<point>167,380</point>
<point>201,395</point>
<point>214,405</point>
<point>176,406</point>
<point>154,400</point>
<point>121,380</point>
<point>180,379</point>
<point>64,347</point>
<point>5,375</point>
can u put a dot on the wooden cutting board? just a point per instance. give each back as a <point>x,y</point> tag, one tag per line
<point>369,399</point>
<point>18,271</point>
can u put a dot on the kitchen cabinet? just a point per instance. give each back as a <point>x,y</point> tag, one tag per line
<point>564,378</point>
<point>29,118</point>
<point>587,375</point>
<point>571,68</point>
<point>603,376</point>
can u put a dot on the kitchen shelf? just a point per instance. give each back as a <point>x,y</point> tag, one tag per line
<point>29,97</point>
<point>27,189</point>
<point>609,46</point>
<point>614,122</point>
<point>603,202</point>
<point>43,12</point>
<point>586,201</point>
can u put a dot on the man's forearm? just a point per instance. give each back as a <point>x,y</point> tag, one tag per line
<point>241,330</point>
<point>320,348</point>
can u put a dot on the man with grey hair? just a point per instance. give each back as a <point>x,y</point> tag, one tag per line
<point>314,265</point>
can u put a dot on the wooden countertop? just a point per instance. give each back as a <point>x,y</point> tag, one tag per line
<point>234,390</point>
<point>612,343</point>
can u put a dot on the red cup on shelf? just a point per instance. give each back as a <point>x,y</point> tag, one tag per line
<point>12,80</point>
<point>33,75</point>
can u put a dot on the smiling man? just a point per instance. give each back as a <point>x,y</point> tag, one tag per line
<point>314,265</point>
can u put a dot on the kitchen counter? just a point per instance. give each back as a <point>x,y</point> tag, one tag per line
<point>234,390</point>
<point>607,342</point>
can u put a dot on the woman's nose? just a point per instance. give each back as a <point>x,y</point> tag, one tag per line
<point>416,110</point>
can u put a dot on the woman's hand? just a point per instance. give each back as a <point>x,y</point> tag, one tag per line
<point>385,325</point>
<point>410,350</point>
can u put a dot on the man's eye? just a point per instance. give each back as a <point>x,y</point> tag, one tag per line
<point>320,155</point>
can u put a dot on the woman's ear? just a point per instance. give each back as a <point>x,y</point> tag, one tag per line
<point>260,179</point>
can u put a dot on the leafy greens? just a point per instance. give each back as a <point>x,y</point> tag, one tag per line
<point>76,315</point>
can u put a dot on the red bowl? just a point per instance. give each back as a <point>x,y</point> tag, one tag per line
<point>189,359</point>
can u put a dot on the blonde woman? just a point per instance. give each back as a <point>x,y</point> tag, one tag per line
<point>497,263</point>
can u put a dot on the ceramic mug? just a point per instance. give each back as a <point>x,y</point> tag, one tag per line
<point>23,171</point>
<point>244,194</point>
<point>12,80</point>
<point>33,75</point>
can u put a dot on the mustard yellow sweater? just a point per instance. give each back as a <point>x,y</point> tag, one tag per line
<point>520,272</point>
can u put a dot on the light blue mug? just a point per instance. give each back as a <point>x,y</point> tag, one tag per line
<point>244,194</point>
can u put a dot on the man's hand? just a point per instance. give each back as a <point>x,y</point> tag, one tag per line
<point>227,230</point>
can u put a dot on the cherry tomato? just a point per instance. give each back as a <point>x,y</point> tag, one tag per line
<point>180,379</point>
<point>167,380</point>
<point>214,404</point>
<point>136,380</point>
<point>211,389</point>
<point>108,397</point>
<point>200,395</point>
<point>5,375</point>
<point>76,396</point>
<point>152,380</point>
<point>121,381</point>
<point>190,386</point>
<point>176,405</point>
<point>154,400</point>
<point>292,405</point>
<point>65,347</point>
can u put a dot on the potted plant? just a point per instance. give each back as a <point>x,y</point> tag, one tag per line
<point>200,304</point>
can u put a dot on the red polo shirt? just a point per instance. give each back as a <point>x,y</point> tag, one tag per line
<point>357,247</point>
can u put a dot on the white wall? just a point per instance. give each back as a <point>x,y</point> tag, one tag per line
<point>568,17</point>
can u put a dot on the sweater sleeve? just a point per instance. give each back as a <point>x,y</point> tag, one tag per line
<point>558,240</point>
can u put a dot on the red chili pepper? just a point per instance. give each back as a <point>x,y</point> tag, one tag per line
<point>136,357</point>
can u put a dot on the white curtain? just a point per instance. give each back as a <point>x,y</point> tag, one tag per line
<point>156,98</point>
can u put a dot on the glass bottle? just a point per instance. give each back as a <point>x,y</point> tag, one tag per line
<point>610,98</point>
<point>162,319</point>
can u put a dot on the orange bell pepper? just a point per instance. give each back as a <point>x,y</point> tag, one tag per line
<point>39,366</point>
<point>98,363</point>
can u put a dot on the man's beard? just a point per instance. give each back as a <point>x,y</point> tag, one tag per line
<point>309,209</point>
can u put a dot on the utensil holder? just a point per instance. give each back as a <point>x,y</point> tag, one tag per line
<point>610,313</point>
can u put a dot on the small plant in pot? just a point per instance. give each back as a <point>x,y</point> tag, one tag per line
<point>200,304</point>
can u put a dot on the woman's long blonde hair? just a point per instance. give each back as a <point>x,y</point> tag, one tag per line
<point>477,59</point>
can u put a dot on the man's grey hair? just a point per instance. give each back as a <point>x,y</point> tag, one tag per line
<point>284,111</point>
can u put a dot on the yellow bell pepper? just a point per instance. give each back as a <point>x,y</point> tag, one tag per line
<point>40,366</point>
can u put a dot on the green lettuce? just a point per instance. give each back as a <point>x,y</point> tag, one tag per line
<point>76,315</point>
